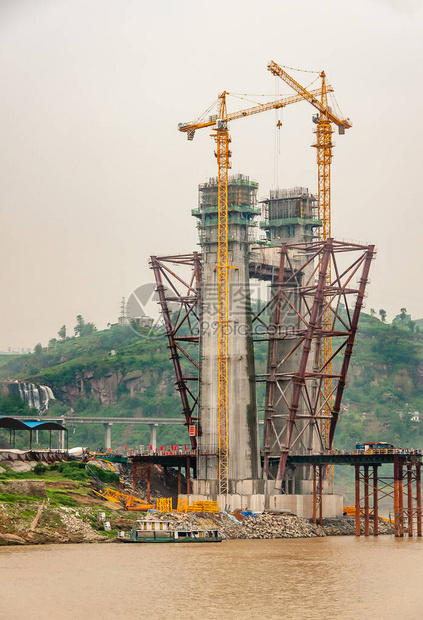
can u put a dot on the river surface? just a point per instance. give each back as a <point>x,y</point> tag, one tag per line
<point>316,579</point>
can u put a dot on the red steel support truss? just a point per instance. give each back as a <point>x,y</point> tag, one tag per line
<point>178,299</point>
<point>299,398</point>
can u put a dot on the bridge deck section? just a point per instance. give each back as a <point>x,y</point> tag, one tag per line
<point>357,458</point>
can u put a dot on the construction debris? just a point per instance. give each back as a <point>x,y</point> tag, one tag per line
<point>129,502</point>
<point>346,526</point>
<point>198,506</point>
<point>258,526</point>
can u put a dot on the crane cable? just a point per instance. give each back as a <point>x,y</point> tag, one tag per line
<point>294,69</point>
<point>277,143</point>
<point>206,112</point>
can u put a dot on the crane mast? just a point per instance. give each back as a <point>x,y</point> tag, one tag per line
<point>323,145</point>
<point>324,158</point>
<point>221,136</point>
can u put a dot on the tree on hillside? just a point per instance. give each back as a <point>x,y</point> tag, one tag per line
<point>62,332</point>
<point>82,328</point>
<point>372,312</point>
<point>402,317</point>
<point>13,405</point>
<point>395,350</point>
<point>79,325</point>
<point>382,314</point>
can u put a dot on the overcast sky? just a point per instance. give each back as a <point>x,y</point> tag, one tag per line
<point>94,176</point>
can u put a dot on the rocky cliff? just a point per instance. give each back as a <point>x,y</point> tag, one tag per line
<point>107,389</point>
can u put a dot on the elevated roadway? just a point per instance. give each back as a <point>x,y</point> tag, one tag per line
<point>153,423</point>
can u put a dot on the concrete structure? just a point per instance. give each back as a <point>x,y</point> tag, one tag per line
<point>299,378</point>
<point>300,505</point>
<point>290,216</point>
<point>153,436</point>
<point>244,456</point>
<point>108,435</point>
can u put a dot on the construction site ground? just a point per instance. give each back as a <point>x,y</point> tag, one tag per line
<point>42,511</point>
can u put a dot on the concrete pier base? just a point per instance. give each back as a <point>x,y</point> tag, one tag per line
<point>108,435</point>
<point>300,505</point>
<point>236,487</point>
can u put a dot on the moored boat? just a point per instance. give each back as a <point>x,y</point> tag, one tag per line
<point>156,531</point>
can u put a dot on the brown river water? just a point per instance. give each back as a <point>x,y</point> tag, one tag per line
<point>314,579</point>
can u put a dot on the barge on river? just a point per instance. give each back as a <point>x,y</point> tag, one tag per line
<point>156,531</point>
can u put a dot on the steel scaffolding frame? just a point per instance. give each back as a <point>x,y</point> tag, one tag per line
<point>304,393</point>
<point>182,325</point>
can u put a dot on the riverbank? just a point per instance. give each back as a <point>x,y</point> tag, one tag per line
<point>35,523</point>
<point>58,505</point>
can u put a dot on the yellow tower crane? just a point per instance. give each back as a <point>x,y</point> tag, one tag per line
<point>323,120</point>
<point>219,124</point>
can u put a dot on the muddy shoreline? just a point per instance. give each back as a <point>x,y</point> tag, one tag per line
<point>64,525</point>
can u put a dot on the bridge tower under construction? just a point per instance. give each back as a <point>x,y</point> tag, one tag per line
<point>293,262</point>
<point>244,453</point>
<point>290,216</point>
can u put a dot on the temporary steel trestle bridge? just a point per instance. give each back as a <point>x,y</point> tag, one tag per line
<point>372,486</point>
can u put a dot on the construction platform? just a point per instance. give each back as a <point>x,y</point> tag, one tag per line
<point>371,486</point>
<point>357,457</point>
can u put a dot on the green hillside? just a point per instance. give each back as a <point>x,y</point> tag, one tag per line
<point>113,372</point>
<point>385,389</point>
<point>117,372</point>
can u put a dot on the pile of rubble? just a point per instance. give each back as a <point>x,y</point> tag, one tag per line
<point>280,526</point>
<point>345,526</point>
<point>268,525</point>
<point>264,525</point>
<point>77,528</point>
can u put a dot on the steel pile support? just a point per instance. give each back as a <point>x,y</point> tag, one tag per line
<point>366,479</point>
<point>406,480</point>
<point>188,475</point>
<point>357,501</point>
<point>138,470</point>
<point>366,501</point>
<point>419,499</point>
<point>148,483</point>
<point>375,502</point>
